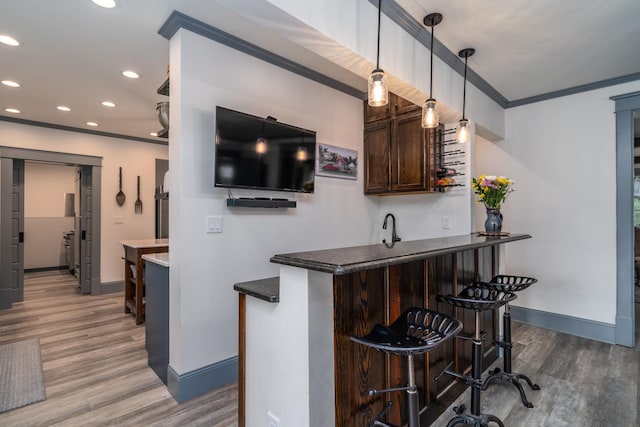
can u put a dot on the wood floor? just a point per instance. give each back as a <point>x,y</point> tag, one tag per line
<point>583,383</point>
<point>96,372</point>
<point>95,364</point>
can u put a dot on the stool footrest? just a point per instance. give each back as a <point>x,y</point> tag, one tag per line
<point>468,379</point>
<point>375,392</point>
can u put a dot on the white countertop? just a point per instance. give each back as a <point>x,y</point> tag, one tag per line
<point>160,258</point>
<point>144,243</point>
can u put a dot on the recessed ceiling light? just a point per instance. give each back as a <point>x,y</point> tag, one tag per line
<point>130,74</point>
<point>12,110</point>
<point>105,3</point>
<point>10,41</point>
<point>10,83</point>
<point>92,124</point>
<point>154,134</point>
<point>63,108</point>
<point>108,104</point>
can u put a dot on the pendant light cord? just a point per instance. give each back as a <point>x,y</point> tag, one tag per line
<point>464,86</point>
<point>378,52</point>
<point>431,66</point>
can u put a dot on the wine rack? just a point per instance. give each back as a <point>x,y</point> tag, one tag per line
<point>449,161</point>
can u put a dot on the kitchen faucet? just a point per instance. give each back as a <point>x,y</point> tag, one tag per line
<point>394,235</point>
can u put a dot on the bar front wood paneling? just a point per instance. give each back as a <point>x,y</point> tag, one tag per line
<point>380,295</point>
<point>361,305</point>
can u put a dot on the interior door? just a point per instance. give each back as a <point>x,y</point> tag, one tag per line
<point>86,227</point>
<point>11,231</point>
<point>17,232</point>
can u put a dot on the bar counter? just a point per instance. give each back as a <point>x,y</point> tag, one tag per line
<point>296,359</point>
<point>358,258</point>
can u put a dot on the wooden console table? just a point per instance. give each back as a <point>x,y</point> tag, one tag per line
<point>134,283</point>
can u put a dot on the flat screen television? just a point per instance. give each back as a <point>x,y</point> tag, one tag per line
<point>263,154</point>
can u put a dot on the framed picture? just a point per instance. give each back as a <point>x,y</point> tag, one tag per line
<point>336,162</point>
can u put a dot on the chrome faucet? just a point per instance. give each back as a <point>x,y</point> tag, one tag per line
<point>394,235</point>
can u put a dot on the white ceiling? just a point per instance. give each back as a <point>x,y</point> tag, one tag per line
<point>73,52</point>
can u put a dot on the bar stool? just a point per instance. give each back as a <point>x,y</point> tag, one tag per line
<point>506,283</point>
<point>478,299</point>
<point>416,331</point>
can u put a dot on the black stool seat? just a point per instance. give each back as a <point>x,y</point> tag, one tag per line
<point>507,283</point>
<point>478,299</point>
<point>416,331</point>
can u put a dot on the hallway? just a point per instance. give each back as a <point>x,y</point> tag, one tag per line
<point>95,363</point>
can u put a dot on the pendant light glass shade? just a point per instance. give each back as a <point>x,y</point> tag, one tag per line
<point>430,115</point>
<point>462,132</point>
<point>261,145</point>
<point>378,89</point>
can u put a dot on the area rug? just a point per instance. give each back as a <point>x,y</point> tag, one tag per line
<point>21,377</point>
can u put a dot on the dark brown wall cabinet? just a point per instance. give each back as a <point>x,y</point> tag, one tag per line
<point>398,152</point>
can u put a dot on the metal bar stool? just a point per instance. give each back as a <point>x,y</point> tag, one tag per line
<point>478,299</point>
<point>506,283</point>
<point>416,331</point>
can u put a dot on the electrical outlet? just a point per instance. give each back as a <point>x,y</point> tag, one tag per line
<point>214,224</point>
<point>272,420</point>
<point>119,219</point>
<point>446,222</point>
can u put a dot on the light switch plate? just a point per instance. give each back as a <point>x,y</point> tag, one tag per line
<point>446,222</point>
<point>214,224</point>
<point>118,219</point>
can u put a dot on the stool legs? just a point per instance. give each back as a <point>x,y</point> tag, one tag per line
<point>412,396</point>
<point>507,375</point>
<point>475,418</point>
<point>412,399</point>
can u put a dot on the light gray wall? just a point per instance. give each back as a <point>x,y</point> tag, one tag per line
<point>562,155</point>
<point>204,267</point>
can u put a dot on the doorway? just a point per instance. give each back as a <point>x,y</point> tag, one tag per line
<point>626,109</point>
<point>51,216</point>
<point>12,162</point>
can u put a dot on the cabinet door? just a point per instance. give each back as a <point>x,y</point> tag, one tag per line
<point>401,106</point>
<point>408,154</point>
<point>376,157</point>
<point>372,114</point>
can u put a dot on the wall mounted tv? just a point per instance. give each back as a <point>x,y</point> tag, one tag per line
<point>263,154</point>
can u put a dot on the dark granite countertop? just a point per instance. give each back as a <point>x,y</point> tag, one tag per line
<point>265,289</point>
<point>358,258</point>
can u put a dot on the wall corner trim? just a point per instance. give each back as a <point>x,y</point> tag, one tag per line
<point>590,329</point>
<point>195,383</point>
<point>111,287</point>
<point>178,20</point>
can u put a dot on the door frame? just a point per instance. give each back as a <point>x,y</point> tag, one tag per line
<point>70,159</point>
<point>625,105</point>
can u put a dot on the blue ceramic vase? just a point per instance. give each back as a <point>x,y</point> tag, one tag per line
<point>493,223</point>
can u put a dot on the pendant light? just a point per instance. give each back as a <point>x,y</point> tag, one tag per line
<point>430,115</point>
<point>378,86</point>
<point>462,133</point>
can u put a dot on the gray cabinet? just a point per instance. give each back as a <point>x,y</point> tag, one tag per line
<point>157,318</point>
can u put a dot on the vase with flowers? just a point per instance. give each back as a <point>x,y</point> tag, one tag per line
<point>492,191</point>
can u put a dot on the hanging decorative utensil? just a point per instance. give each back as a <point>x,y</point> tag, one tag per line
<point>138,204</point>
<point>120,198</point>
